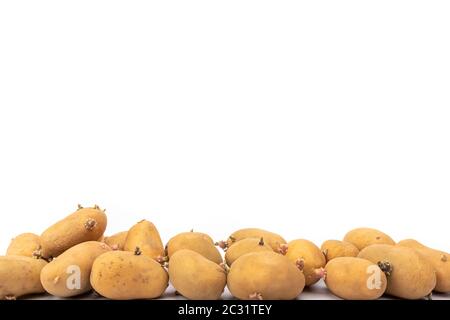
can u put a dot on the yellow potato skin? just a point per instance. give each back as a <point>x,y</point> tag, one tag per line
<point>195,241</point>
<point>123,275</point>
<point>364,237</point>
<point>439,259</point>
<point>117,240</point>
<point>145,236</point>
<point>349,278</point>
<point>196,277</point>
<point>25,244</point>
<point>19,276</point>
<point>334,249</point>
<point>312,259</point>
<point>55,275</point>
<point>412,276</point>
<point>272,239</point>
<point>245,246</point>
<point>265,275</point>
<point>85,224</point>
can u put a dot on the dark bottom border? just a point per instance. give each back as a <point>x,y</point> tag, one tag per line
<point>229,309</point>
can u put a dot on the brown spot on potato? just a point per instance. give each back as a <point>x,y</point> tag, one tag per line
<point>128,277</point>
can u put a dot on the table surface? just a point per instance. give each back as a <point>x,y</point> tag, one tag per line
<point>316,292</point>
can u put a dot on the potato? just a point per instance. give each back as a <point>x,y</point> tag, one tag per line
<point>410,276</point>
<point>308,257</point>
<point>195,241</point>
<point>245,246</point>
<point>116,241</point>
<point>363,237</point>
<point>196,277</point>
<point>265,275</point>
<point>274,240</point>
<point>355,278</point>
<point>68,275</point>
<point>19,276</point>
<point>439,260</point>
<point>125,275</point>
<point>334,249</point>
<point>85,224</point>
<point>25,244</point>
<point>145,236</point>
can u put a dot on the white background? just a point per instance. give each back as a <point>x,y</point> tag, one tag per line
<point>305,118</point>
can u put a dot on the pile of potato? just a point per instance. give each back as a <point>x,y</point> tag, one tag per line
<point>73,257</point>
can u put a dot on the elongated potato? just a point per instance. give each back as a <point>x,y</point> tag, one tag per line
<point>333,249</point>
<point>125,275</point>
<point>265,275</point>
<point>196,277</point>
<point>410,276</point>
<point>355,278</point>
<point>195,241</point>
<point>145,236</point>
<point>308,257</point>
<point>364,237</point>
<point>245,246</point>
<point>19,276</point>
<point>69,274</point>
<point>274,240</point>
<point>439,259</point>
<point>116,241</point>
<point>85,224</point>
<point>25,244</point>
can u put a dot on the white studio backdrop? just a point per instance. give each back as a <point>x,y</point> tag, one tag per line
<point>305,118</point>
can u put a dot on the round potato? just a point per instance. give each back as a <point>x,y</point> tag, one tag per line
<point>85,224</point>
<point>410,276</point>
<point>335,249</point>
<point>355,278</point>
<point>439,259</point>
<point>125,275</point>
<point>364,237</point>
<point>195,241</point>
<point>308,257</point>
<point>116,241</point>
<point>265,275</point>
<point>19,276</point>
<point>69,274</point>
<point>196,277</point>
<point>274,240</point>
<point>145,236</point>
<point>245,246</point>
<point>25,244</point>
